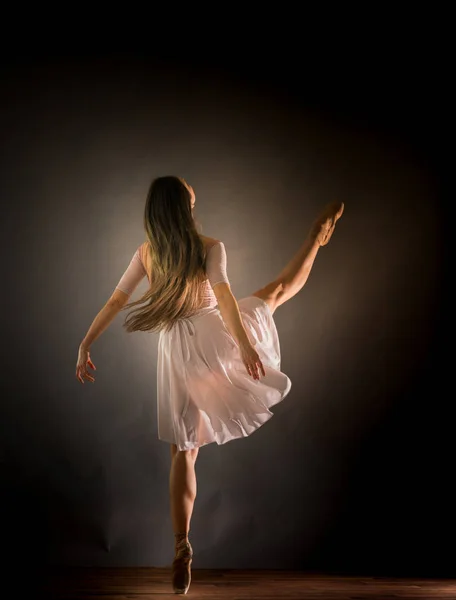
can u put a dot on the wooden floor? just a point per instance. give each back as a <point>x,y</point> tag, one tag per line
<point>153,583</point>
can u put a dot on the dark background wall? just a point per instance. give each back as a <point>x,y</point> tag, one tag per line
<point>353,473</point>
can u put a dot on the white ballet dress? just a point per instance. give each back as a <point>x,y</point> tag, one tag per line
<point>204,392</point>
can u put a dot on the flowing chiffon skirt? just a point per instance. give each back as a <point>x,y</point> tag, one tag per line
<point>204,393</point>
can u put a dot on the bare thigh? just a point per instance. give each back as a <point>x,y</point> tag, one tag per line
<point>272,293</point>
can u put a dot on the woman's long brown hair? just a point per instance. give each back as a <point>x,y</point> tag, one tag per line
<point>174,256</point>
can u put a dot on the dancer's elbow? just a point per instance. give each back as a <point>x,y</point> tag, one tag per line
<point>222,291</point>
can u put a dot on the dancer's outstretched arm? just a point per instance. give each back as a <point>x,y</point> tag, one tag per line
<point>133,275</point>
<point>100,323</point>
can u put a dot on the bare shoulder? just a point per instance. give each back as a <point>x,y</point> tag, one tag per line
<point>145,256</point>
<point>209,241</point>
<point>143,250</point>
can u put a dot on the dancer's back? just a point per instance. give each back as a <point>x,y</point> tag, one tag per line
<point>215,269</point>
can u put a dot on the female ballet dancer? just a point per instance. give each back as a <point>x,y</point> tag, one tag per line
<point>218,370</point>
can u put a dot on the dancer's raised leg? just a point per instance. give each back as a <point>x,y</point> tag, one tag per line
<point>295,274</point>
<point>182,487</point>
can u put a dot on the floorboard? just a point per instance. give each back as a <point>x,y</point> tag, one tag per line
<point>154,583</point>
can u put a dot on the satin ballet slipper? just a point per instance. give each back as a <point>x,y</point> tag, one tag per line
<point>181,567</point>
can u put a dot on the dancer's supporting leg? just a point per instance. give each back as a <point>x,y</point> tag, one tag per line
<point>182,488</point>
<point>295,274</point>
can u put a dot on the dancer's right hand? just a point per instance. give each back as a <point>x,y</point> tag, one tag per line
<point>251,360</point>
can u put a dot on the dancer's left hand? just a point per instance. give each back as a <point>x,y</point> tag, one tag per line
<point>251,360</point>
<point>83,361</point>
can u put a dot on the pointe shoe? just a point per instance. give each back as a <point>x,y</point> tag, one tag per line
<point>325,224</point>
<point>181,568</point>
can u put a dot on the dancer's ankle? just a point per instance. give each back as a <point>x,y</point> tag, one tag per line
<point>180,537</point>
